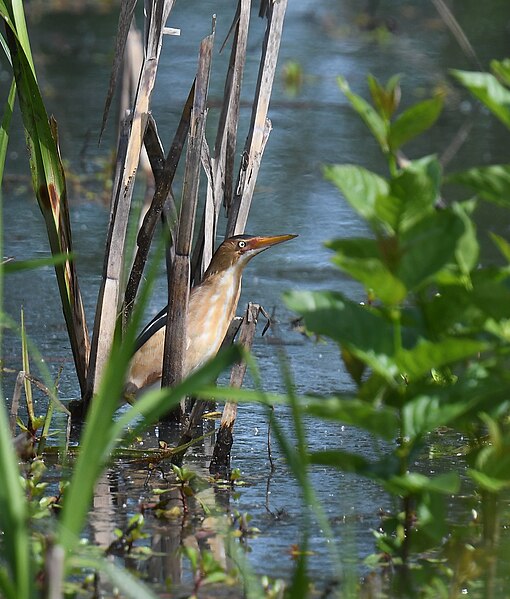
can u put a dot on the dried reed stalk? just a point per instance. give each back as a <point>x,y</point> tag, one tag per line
<point>109,293</point>
<point>260,126</point>
<point>220,168</point>
<point>238,205</point>
<point>180,274</point>
<point>127,8</point>
<point>164,176</point>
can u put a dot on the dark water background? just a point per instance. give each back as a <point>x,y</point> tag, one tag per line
<point>73,53</point>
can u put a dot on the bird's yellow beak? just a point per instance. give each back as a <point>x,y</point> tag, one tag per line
<point>262,243</point>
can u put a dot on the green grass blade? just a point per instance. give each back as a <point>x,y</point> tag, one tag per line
<point>13,515</point>
<point>22,31</point>
<point>486,88</point>
<point>4,130</point>
<point>100,434</point>
<point>129,586</point>
<point>46,428</point>
<point>4,13</point>
<point>155,404</point>
<point>17,265</point>
<point>26,369</point>
<point>5,47</point>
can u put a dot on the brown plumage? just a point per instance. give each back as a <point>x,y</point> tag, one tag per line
<point>212,306</point>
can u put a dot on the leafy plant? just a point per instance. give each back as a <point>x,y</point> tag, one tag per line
<point>428,346</point>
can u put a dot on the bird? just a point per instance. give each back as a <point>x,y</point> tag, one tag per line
<point>212,306</point>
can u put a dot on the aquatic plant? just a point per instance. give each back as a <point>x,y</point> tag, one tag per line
<point>428,347</point>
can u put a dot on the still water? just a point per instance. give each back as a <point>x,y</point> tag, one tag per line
<point>310,128</point>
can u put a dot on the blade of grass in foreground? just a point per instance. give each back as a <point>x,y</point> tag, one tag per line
<point>129,586</point>
<point>15,583</point>
<point>26,369</point>
<point>99,434</point>
<point>17,265</point>
<point>4,130</point>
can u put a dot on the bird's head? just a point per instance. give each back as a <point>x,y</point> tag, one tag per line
<point>240,249</point>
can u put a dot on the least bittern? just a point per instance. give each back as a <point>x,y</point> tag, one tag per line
<point>212,306</point>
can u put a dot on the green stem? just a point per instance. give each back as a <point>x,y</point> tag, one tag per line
<point>491,537</point>
<point>392,164</point>
<point>397,329</point>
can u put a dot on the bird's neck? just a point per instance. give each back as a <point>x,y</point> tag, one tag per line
<point>226,281</point>
<point>218,294</point>
<point>232,274</point>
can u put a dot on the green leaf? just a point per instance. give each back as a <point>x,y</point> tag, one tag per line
<point>432,525</point>
<point>353,462</point>
<point>489,91</point>
<point>469,308</point>
<point>487,482</point>
<point>416,189</point>
<point>102,434</point>
<point>5,47</point>
<point>365,332</point>
<point>155,404</point>
<point>501,68</point>
<point>13,517</point>
<point>415,483</point>
<point>429,246</point>
<point>343,460</point>
<point>389,209</point>
<point>426,355</point>
<point>467,251</point>
<point>413,121</point>
<point>372,120</point>
<point>378,420</point>
<point>385,98</point>
<point>502,244</point>
<point>491,183</point>
<point>354,365</point>
<point>361,258</point>
<point>21,31</point>
<point>26,368</point>
<point>360,187</point>
<point>19,265</point>
<point>48,181</point>
<point>425,413</point>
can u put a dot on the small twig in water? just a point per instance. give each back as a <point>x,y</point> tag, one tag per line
<point>269,451</point>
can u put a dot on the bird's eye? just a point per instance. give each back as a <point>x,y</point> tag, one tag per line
<point>241,244</point>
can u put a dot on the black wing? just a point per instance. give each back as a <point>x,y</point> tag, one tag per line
<point>158,322</point>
